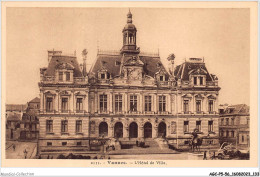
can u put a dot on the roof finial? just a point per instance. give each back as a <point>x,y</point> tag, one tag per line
<point>129,17</point>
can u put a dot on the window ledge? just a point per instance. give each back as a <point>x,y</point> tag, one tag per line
<point>64,133</point>
<point>49,133</point>
<point>79,133</point>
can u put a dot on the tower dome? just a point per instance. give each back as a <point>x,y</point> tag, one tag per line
<point>129,36</point>
<point>129,25</point>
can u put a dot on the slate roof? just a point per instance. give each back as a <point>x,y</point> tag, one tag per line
<point>182,71</point>
<point>57,60</point>
<point>13,117</point>
<point>35,100</point>
<point>109,60</point>
<point>15,107</point>
<point>237,109</point>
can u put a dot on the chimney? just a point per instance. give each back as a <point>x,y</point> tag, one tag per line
<point>84,55</point>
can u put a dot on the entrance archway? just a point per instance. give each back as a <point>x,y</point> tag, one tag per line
<point>103,129</point>
<point>147,130</point>
<point>133,130</point>
<point>162,130</point>
<point>118,130</point>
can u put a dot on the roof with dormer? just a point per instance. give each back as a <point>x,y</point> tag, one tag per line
<point>63,62</point>
<point>151,64</point>
<point>187,68</point>
<point>237,109</point>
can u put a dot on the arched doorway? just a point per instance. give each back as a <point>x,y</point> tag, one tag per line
<point>147,130</point>
<point>118,130</point>
<point>162,130</point>
<point>103,129</point>
<point>133,130</point>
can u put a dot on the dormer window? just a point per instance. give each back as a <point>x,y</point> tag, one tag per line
<point>198,80</point>
<point>162,78</point>
<point>67,76</point>
<point>103,76</point>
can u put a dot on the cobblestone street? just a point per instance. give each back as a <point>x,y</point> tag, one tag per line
<point>18,153</point>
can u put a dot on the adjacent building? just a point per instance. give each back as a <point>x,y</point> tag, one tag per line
<point>128,95</point>
<point>234,125</point>
<point>29,125</point>
<point>14,114</point>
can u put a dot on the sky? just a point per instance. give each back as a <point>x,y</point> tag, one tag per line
<point>221,36</point>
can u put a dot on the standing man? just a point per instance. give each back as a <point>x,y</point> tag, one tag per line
<point>25,153</point>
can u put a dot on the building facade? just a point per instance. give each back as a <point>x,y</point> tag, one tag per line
<point>29,125</point>
<point>14,114</point>
<point>128,95</point>
<point>234,125</point>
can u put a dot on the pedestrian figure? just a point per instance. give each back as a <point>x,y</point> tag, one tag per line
<point>136,143</point>
<point>205,155</point>
<point>213,156</point>
<point>14,147</point>
<point>40,157</point>
<point>48,157</point>
<point>25,153</point>
<point>108,157</point>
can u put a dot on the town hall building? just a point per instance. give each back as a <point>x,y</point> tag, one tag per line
<point>127,95</point>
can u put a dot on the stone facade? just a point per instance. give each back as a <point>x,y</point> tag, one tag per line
<point>126,95</point>
<point>234,125</point>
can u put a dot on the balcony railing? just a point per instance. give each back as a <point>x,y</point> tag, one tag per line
<point>79,79</point>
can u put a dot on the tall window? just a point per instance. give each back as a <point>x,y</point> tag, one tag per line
<point>210,125</point>
<point>49,104</point>
<point>211,106</point>
<point>198,106</point>
<point>64,126</point>
<point>118,103</point>
<point>195,80</point>
<point>162,103</point>
<point>201,80</point>
<point>186,106</point>
<point>186,126</point>
<point>148,103</point>
<point>222,133</point>
<point>232,121</point>
<point>79,105</point>
<point>227,121</point>
<point>49,126</point>
<point>103,103</point>
<point>232,134</point>
<point>227,133</point>
<point>60,76</point>
<point>133,103</point>
<point>78,126</point>
<point>198,125</point>
<point>67,76</point>
<point>64,104</point>
<point>222,121</point>
<point>243,139</point>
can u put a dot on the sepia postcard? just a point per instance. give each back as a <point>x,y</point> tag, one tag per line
<point>129,84</point>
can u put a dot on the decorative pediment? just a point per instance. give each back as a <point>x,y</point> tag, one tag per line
<point>211,96</point>
<point>80,94</point>
<point>64,92</point>
<point>187,95</point>
<point>67,66</point>
<point>49,93</point>
<point>134,61</point>
<point>199,96</point>
<point>198,71</point>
